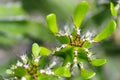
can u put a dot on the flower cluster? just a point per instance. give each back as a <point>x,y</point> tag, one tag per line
<point>29,67</point>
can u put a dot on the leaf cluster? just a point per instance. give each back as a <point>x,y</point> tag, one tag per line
<point>74,51</point>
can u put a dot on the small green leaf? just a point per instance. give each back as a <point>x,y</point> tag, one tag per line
<point>64,52</point>
<point>87,44</point>
<point>74,33</point>
<point>113,9</point>
<point>67,72</point>
<point>63,39</point>
<point>63,71</point>
<point>47,77</point>
<point>87,74</point>
<point>20,71</point>
<point>82,56</point>
<point>44,51</point>
<point>98,62</point>
<point>28,77</point>
<point>13,10</point>
<point>35,49</point>
<point>80,12</point>
<point>68,59</point>
<point>51,21</point>
<point>107,31</point>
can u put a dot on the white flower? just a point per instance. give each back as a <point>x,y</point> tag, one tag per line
<point>89,55</point>
<point>68,65</point>
<point>24,58</point>
<point>76,52</point>
<point>49,72</point>
<point>26,66</point>
<point>23,78</point>
<point>37,59</point>
<point>78,31</point>
<point>64,45</point>
<point>42,71</point>
<point>67,29</point>
<point>19,63</point>
<point>15,78</point>
<point>88,35</point>
<point>13,67</point>
<point>75,60</point>
<point>66,34</point>
<point>86,50</point>
<point>61,33</point>
<point>70,36</point>
<point>58,49</point>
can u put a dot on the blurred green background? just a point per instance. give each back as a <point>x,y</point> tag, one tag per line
<point>22,22</point>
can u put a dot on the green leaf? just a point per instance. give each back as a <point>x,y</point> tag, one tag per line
<point>28,77</point>
<point>98,62</point>
<point>35,49</point>
<point>67,72</point>
<point>11,10</point>
<point>1,78</point>
<point>51,21</point>
<point>113,9</point>
<point>64,52</point>
<point>68,59</point>
<point>63,71</point>
<point>86,74</point>
<point>20,71</point>
<point>82,55</point>
<point>63,39</point>
<point>80,12</point>
<point>74,33</point>
<point>107,31</point>
<point>44,51</point>
<point>47,77</point>
<point>87,44</point>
